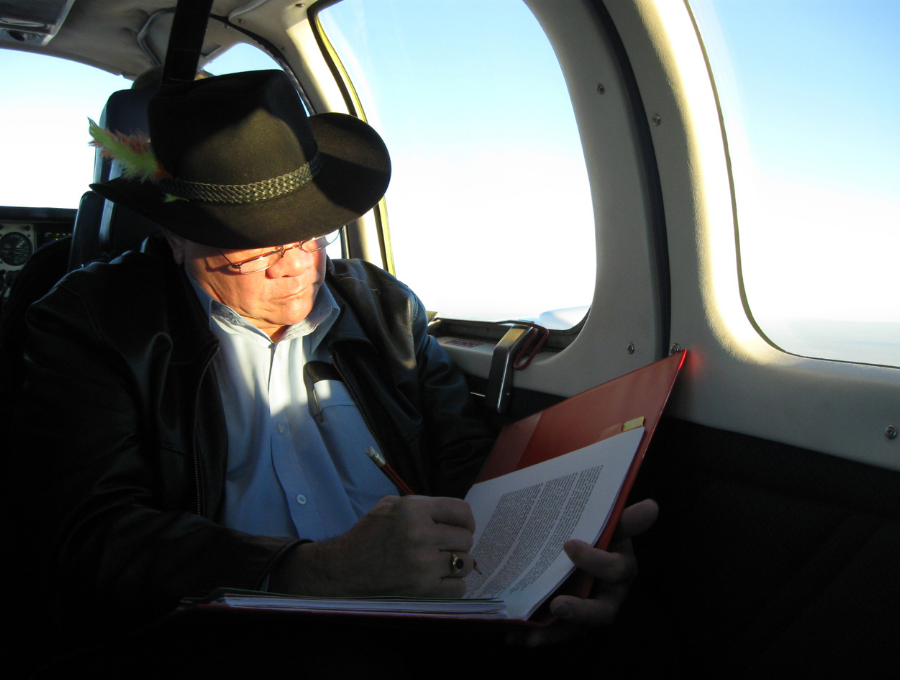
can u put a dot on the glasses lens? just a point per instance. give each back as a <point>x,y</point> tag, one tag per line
<point>320,242</point>
<point>260,263</point>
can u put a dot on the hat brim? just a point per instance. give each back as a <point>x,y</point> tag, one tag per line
<point>354,175</point>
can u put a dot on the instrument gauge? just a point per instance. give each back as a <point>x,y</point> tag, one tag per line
<point>15,249</point>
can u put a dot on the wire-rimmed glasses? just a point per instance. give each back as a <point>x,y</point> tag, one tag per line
<point>270,259</point>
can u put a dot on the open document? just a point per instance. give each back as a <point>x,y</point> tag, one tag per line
<point>522,519</point>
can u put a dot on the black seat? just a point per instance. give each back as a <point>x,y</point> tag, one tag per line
<point>85,242</point>
<point>109,231</point>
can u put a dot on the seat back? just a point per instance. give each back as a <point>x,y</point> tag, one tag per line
<point>107,230</point>
<point>122,229</point>
<point>85,244</point>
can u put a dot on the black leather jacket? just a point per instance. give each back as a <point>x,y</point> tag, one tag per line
<point>124,444</point>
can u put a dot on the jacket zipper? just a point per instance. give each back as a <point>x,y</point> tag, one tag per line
<point>196,450</point>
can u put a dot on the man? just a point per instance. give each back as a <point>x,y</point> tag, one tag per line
<point>212,396</point>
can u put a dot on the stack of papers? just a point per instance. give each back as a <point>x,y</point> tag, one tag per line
<point>382,606</point>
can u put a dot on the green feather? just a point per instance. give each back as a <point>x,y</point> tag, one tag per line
<point>132,151</point>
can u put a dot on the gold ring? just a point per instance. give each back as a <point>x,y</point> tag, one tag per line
<point>456,564</point>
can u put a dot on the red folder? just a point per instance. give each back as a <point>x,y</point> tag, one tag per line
<point>587,418</point>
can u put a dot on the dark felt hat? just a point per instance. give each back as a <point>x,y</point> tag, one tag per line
<point>246,168</point>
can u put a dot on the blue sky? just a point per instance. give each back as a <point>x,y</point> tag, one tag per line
<point>43,112</point>
<point>818,83</point>
<point>486,155</point>
<point>809,96</point>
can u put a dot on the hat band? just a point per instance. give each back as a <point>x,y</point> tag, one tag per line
<point>238,194</point>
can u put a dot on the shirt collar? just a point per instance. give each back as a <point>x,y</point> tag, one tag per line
<point>316,325</point>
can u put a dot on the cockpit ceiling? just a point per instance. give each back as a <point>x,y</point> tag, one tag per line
<point>121,36</point>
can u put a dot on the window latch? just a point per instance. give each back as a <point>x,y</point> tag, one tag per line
<point>507,357</point>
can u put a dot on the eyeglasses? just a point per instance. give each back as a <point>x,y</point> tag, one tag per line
<point>270,259</point>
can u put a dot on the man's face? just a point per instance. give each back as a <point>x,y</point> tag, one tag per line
<point>272,299</point>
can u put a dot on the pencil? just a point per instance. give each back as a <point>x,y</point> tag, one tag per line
<point>389,472</point>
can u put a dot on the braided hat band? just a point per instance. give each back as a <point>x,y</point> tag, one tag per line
<point>242,194</point>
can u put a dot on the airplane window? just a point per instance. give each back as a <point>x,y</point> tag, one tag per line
<point>489,204</point>
<point>808,96</point>
<point>46,102</point>
<point>241,57</point>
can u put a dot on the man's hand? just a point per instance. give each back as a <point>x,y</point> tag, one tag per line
<point>614,570</point>
<point>403,546</point>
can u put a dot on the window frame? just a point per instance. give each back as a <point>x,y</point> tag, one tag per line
<point>357,238</point>
<point>645,291</point>
<point>735,380</point>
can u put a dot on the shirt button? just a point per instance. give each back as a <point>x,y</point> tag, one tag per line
<point>301,499</point>
<point>281,428</point>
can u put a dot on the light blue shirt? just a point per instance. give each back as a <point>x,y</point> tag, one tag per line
<point>288,473</point>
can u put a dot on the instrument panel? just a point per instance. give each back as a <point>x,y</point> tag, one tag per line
<point>16,245</point>
<point>22,232</point>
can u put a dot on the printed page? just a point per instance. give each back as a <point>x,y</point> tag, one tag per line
<point>523,518</point>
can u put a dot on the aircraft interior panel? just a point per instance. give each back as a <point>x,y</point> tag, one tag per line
<point>741,382</point>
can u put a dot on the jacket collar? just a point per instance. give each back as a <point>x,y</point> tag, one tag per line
<point>347,326</point>
<point>187,324</point>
